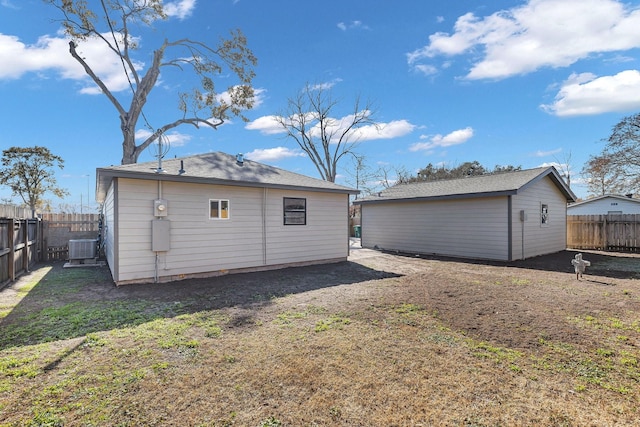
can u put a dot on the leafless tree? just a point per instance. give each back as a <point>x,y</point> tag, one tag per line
<point>623,152</point>
<point>601,177</point>
<point>309,120</point>
<point>202,105</point>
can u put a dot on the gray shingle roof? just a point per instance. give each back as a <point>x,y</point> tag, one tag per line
<point>475,186</point>
<point>215,168</point>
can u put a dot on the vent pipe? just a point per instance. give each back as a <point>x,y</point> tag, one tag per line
<point>181,171</point>
<point>240,159</point>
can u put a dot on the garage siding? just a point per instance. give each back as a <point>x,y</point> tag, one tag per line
<point>539,239</point>
<point>470,228</point>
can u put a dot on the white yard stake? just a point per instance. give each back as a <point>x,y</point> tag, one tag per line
<point>579,265</point>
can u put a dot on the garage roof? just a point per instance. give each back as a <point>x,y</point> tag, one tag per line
<point>489,185</point>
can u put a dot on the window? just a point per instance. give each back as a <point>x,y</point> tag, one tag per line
<point>295,211</point>
<point>218,209</point>
<point>544,214</point>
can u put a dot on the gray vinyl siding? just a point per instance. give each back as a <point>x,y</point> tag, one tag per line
<point>471,228</point>
<point>199,244</point>
<point>323,237</point>
<point>539,239</point>
<point>109,228</point>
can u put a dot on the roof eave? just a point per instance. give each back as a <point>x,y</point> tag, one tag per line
<point>439,197</point>
<point>104,177</point>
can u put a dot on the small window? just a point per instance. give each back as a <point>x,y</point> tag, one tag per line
<point>295,211</point>
<point>544,214</point>
<point>218,209</point>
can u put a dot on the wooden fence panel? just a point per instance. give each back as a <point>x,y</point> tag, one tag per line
<point>60,228</point>
<point>19,247</point>
<point>604,232</point>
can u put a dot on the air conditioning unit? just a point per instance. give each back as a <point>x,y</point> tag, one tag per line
<point>82,249</point>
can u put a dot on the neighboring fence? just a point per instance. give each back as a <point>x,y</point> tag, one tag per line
<point>13,211</point>
<point>19,246</point>
<point>604,232</point>
<point>58,229</point>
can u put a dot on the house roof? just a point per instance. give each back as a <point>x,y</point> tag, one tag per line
<point>498,184</point>
<point>215,168</point>
<point>605,196</point>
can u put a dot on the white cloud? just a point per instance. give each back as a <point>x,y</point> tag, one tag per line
<point>52,53</point>
<point>272,154</point>
<point>426,69</point>
<point>181,9</point>
<point>541,33</point>
<point>393,129</point>
<point>258,97</point>
<point>456,137</point>
<point>586,94</point>
<point>325,85</point>
<point>267,125</point>
<point>353,25</point>
<point>175,139</point>
<point>8,4</point>
<point>541,153</point>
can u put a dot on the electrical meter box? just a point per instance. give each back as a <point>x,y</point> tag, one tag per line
<point>160,207</point>
<point>523,216</point>
<point>160,235</point>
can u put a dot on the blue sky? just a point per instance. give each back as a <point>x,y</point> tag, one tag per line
<point>525,83</point>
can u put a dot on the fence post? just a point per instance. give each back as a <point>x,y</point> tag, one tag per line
<point>605,234</point>
<point>10,240</point>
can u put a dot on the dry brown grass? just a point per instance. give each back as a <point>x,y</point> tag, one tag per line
<point>374,349</point>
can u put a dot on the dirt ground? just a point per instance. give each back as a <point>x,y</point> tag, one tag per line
<point>526,300</point>
<point>529,299</point>
<point>536,307</point>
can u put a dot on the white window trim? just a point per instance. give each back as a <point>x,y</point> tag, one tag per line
<point>220,209</point>
<point>284,221</point>
<point>544,218</point>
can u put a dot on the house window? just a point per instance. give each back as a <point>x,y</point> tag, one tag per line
<point>218,209</point>
<point>295,211</point>
<point>544,214</point>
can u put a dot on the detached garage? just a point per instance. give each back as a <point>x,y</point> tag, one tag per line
<point>504,216</point>
<point>214,214</point>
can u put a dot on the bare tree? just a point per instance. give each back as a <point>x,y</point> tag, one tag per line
<point>203,105</point>
<point>325,139</point>
<point>601,177</point>
<point>564,165</point>
<point>623,152</point>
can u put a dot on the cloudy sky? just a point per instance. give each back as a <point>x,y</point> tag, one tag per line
<point>524,83</point>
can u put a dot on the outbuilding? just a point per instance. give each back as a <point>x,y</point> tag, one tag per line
<point>607,204</point>
<point>503,216</point>
<point>215,213</point>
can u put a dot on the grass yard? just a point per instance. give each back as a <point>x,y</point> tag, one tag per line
<point>380,341</point>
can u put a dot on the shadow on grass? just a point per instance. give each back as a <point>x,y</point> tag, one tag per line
<point>616,265</point>
<point>70,303</point>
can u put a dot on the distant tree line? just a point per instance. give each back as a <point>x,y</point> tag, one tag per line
<point>474,168</point>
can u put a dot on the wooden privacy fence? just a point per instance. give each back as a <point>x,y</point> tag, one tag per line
<point>60,228</point>
<point>19,246</point>
<point>604,232</point>
<point>23,242</point>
